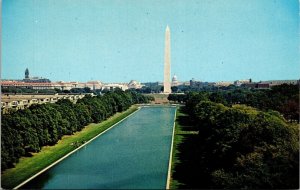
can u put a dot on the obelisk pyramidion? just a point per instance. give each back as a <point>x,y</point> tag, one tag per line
<point>167,70</point>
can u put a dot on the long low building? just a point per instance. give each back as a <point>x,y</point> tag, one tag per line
<point>280,82</point>
<point>12,101</point>
<point>52,85</point>
<point>6,84</point>
<point>93,85</point>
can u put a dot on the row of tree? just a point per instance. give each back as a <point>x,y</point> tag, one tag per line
<point>283,98</point>
<point>242,147</point>
<point>26,131</point>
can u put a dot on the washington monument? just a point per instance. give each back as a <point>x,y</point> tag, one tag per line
<point>167,70</point>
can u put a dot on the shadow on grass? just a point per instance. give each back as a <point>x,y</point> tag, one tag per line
<point>185,123</point>
<point>188,172</point>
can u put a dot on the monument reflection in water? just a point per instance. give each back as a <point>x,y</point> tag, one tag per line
<point>133,155</point>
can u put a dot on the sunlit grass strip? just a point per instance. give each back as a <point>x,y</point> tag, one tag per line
<point>29,166</point>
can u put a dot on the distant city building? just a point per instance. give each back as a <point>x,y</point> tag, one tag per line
<point>280,82</point>
<point>37,80</point>
<point>270,83</point>
<point>94,85</point>
<point>150,84</point>
<point>194,83</point>
<point>29,79</point>
<point>61,85</point>
<point>133,84</point>
<point>175,81</point>
<point>16,101</point>
<point>197,84</point>
<point>200,84</point>
<point>26,73</point>
<point>223,83</point>
<point>240,82</point>
<point>29,85</point>
<point>186,83</point>
<point>112,86</point>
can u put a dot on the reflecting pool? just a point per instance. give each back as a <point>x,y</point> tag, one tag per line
<point>132,155</point>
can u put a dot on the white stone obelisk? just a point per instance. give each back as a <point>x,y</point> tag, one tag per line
<point>167,69</point>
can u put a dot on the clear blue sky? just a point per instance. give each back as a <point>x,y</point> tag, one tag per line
<point>120,40</point>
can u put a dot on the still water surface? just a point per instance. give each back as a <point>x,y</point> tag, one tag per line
<point>133,154</point>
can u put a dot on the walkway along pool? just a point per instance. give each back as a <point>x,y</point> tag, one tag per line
<point>134,155</point>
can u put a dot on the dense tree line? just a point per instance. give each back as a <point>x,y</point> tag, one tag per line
<point>283,98</point>
<point>243,147</point>
<point>26,131</point>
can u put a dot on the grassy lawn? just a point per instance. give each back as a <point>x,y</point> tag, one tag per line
<point>185,154</point>
<point>28,166</point>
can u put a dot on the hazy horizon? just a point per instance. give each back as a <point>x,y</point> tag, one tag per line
<point>119,41</point>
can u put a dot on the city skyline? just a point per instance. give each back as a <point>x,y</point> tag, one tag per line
<point>117,41</point>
